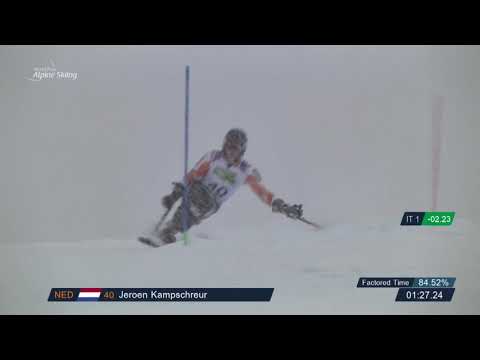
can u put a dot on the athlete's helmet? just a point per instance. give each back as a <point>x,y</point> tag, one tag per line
<point>236,137</point>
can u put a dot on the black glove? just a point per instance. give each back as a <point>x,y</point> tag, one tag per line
<point>169,200</point>
<point>292,211</point>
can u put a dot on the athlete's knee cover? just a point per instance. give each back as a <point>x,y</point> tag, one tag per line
<point>202,201</point>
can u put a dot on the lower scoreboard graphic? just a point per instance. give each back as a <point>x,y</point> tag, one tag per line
<point>160,294</point>
<point>432,289</point>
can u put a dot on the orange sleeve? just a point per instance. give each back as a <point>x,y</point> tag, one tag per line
<point>198,172</point>
<point>261,191</point>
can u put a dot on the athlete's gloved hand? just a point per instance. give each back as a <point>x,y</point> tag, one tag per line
<point>169,200</point>
<point>292,211</point>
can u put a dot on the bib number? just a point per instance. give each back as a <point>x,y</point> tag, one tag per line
<point>219,191</point>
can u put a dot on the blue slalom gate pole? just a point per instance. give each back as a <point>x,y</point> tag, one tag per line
<point>185,192</point>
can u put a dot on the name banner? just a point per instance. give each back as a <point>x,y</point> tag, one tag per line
<point>160,294</point>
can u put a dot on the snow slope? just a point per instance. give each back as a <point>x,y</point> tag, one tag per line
<point>312,272</point>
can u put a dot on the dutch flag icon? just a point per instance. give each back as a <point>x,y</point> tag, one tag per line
<point>89,294</point>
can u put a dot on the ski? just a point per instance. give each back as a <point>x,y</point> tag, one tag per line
<point>149,241</point>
